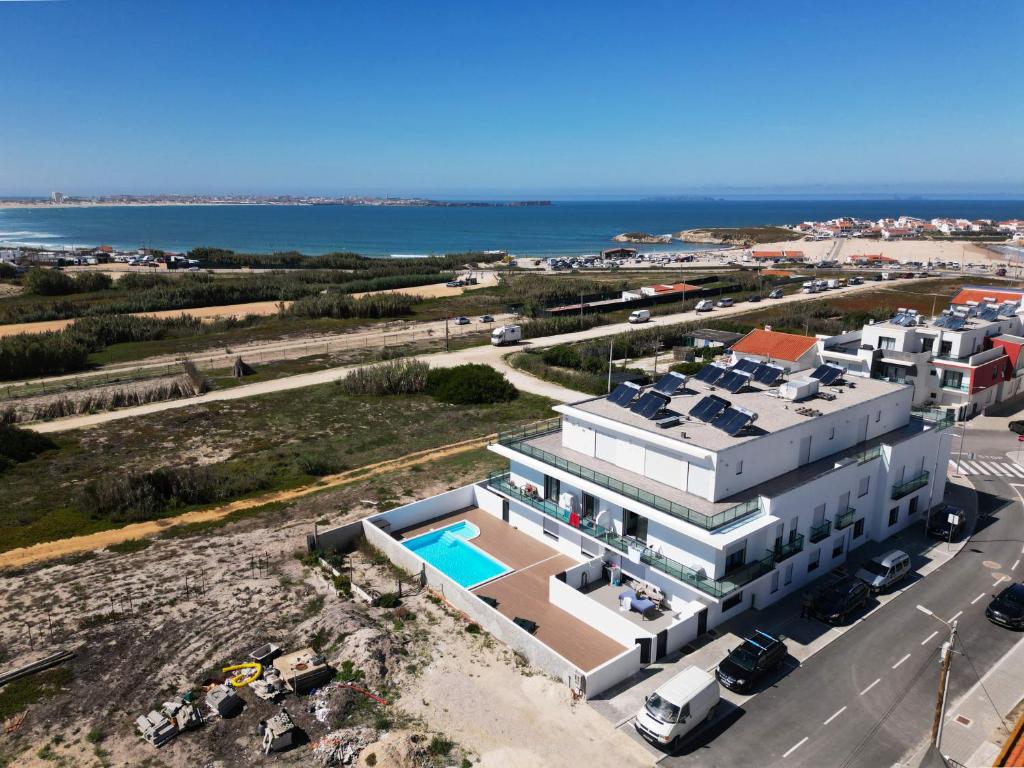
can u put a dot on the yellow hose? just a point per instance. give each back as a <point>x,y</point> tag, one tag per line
<point>241,680</point>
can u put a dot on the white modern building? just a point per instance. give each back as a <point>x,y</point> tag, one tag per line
<point>711,497</point>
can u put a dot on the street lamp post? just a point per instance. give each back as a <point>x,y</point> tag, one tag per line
<point>945,661</point>
<point>960,454</point>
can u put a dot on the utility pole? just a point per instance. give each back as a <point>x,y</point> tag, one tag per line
<point>611,347</point>
<point>945,661</point>
<point>446,330</point>
<point>960,454</point>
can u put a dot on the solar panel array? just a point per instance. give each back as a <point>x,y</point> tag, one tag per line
<point>747,365</point>
<point>988,313</point>
<point>670,383</point>
<point>734,381</point>
<point>709,374</point>
<point>733,420</point>
<point>1008,309</point>
<point>952,322</point>
<point>827,373</point>
<point>624,393</point>
<point>650,405</point>
<point>709,407</point>
<point>768,374</point>
<point>904,318</point>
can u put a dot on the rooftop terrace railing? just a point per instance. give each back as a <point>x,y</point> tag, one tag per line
<point>938,418</point>
<point>911,485</point>
<point>516,440</point>
<point>500,482</point>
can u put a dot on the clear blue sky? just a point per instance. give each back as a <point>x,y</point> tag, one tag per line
<point>478,98</point>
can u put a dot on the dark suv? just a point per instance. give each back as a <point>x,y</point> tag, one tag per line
<point>749,662</point>
<point>840,600</point>
<point>1007,608</point>
<point>939,526</point>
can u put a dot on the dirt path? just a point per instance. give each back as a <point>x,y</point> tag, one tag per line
<point>18,558</point>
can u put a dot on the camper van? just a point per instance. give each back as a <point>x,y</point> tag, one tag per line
<point>639,316</point>
<point>678,707</point>
<point>506,334</point>
<point>704,305</point>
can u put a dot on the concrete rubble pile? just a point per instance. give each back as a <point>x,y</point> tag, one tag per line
<point>342,747</point>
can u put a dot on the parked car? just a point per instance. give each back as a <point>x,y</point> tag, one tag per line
<point>639,316</point>
<point>1001,272</point>
<point>1007,608</point>
<point>453,284</point>
<point>750,661</point>
<point>883,571</point>
<point>725,301</point>
<point>840,600</point>
<point>940,526</point>
<point>677,707</point>
<point>462,320</point>
<point>753,297</point>
<point>704,305</point>
<point>486,319</point>
<point>776,294</point>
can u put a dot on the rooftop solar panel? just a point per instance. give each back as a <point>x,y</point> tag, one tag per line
<point>649,405</point>
<point>733,420</point>
<point>709,374</point>
<point>624,393</point>
<point>734,381</point>
<point>1008,310</point>
<point>955,322</point>
<point>709,407</point>
<point>670,383</point>
<point>768,374</point>
<point>827,373</point>
<point>989,313</point>
<point>747,365</point>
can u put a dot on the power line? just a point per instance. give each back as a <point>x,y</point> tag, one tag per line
<point>963,650</point>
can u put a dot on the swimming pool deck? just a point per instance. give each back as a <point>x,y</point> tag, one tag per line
<point>524,592</point>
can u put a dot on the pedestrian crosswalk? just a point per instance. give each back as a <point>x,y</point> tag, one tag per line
<point>991,468</point>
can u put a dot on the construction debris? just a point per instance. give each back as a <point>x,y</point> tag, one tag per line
<point>279,732</point>
<point>156,729</point>
<point>185,715</point>
<point>270,687</point>
<point>223,701</point>
<point>265,654</point>
<point>303,670</point>
<point>342,747</point>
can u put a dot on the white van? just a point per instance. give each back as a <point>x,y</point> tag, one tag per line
<point>882,572</point>
<point>506,334</point>
<point>677,707</point>
<point>704,305</point>
<point>639,316</point>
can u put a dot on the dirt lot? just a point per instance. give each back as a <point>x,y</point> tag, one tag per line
<point>142,638</point>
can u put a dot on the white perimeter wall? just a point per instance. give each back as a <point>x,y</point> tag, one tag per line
<point>606,621</point>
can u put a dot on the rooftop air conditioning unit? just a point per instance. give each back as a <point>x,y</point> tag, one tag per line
<point>799,389</point>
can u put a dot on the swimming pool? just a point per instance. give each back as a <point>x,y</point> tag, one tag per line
<point>449,550</point>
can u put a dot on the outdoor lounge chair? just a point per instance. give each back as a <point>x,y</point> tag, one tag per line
<point>491,601</point>
<point>529,626</point>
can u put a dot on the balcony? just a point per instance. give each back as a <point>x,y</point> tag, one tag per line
<point>516,440</point>
<point>820,531</point>
<point>790,548</point>
<point>911,485</point>
<point>939,418</point>
<point>499,481</point>
<point>845,519</point>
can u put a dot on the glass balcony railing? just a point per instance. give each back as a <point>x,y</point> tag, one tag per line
<point>820,531</point>
<point>790,548</point>
<point>516,441</point>
<point>499,481</point>
<point>845,519</point>
<point>938,418</point>
<point>911,485</point>
<point>867,455</point>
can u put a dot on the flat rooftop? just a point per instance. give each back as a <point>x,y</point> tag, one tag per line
<point>774,414</point>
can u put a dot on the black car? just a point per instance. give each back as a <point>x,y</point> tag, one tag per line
<point>939,526</point>
<point>753,297</point>
<point>1007,608</point>
<point>840,600</point>
<point>749,662</point>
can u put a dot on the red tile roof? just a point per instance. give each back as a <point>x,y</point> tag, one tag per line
<point>774,344</point>
<point>965,295</point>
<point>674,287</point>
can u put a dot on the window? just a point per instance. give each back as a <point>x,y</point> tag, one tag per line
<point>894,515</point>
<point>864,486</point>
<point>789,574</point>
<point>945,349</point>
<point>732,602</point>
<point>589,506</point>
<point>837,548</point>
<point>739,467</point>
<point>858,528</point>
<point>736,559</point>
<point>952,379</point>
<point>552,488</point>
<point>886,342</point>
<point>814,560</point>
<point>832,432</point>
<point>912,509</point>
<point>878,416</point>
<point>634,525</point>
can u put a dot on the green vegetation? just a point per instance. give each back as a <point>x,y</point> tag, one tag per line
<point>748,235</point>
<point>340,305</point>
<point>470,384</point>
<point>129,546</point>
<point>398,377</point>
<point>21,445</point>
<point>19,694</point>
<point>149,466</point>
<point>50,282</point>
<point>439,745</point>
<point>581,381</point>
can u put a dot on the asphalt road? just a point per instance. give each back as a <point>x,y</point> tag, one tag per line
<point>868,698</point>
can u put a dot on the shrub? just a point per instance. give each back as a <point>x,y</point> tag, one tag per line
<point>41,354</point>
<point>439,745</point>
<point>318,463</point>
<point>341,305</point>
<point>48,282</point>
<point>7,271</point>
<point>469,384</point>
<point>388,600</point>
<point>473,628</point>
<point>18,445</point>
<point>398,377</point>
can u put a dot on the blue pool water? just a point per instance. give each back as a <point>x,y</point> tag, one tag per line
<point>449,550</point>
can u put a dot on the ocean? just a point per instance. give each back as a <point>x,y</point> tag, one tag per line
<point>563,228</point>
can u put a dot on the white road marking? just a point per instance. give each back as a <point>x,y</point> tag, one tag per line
<point>992,469</point>
<point>837,714</point>
<point>933,634</point>
<point>977,598</point>
<point>1014,469</point>
<point>1000,580</point>
<point>871,686</point>
<point>1015,564</point>
<point>901,661</point>
<point>956,616</point>
<point>795,747</point>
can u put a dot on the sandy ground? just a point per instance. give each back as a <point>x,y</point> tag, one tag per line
<point>901,250</point>
<point>493,356</point>
<point>19,558</point>
<point>486,279</point>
